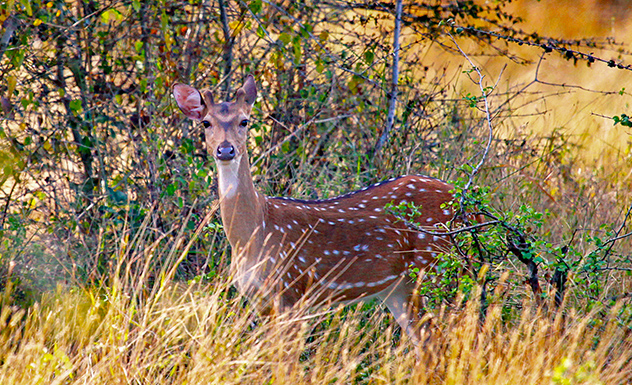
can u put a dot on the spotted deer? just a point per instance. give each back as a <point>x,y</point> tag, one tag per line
<point>344,249</point>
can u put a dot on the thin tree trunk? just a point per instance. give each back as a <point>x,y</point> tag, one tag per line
<point>390,120</point>
<point>228,47</point>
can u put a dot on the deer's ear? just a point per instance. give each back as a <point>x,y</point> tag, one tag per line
<point>208,98</point>
<point>248,92</point>
<point>190,101</point>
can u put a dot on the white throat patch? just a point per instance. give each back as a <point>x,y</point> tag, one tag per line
<point>228,177</point>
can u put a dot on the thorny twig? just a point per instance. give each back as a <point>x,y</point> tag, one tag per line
<point>484,92</point>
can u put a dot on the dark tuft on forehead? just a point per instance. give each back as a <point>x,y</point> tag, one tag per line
<point>223,109</point>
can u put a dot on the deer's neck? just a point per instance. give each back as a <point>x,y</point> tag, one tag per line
<point>242,207</point>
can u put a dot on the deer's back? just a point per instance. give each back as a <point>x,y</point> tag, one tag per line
<point>351,244</point>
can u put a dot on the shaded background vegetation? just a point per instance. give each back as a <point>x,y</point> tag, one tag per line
<point>95,155</point>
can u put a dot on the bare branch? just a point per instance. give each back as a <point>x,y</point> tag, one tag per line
<point>395,81</point>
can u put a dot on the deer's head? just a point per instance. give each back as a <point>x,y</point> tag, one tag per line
<point>225,123</point>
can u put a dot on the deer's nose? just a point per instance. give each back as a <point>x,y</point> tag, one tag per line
<point>225,151</point>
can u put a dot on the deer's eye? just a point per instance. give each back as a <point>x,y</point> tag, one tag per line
<point>206,123</point>
<point>244,123</point>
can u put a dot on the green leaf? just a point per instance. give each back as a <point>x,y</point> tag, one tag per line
<point>171,189</point>
<point>368,57</point>
<point>75,106</point>
<point>285,38</point>
<point>261,32</point>
<point>255,6</point>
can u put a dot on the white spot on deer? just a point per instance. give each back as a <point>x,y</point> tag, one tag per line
<point>411,186</point>
<point>372,217</point>
<point>381,282</point>
<point>365,247</point>
<point>375,197</point>
<point>276,227</point>
<point>346,252</point>
<point>422,190</point>
<point>409,194</point>
<point>341,219</point>
<point>295,222</point>
<point>360,220</point>
<point>364,201</point>
<point>377,209</point>
<point>403,202</point>
<point>435,238</point>
<point>429,248</point>
<point>368,234</point>
<point>390,245</point>
<point>310,241</point>
<point>379,256</point>
<point>285,284</point>
<point>381,230</point>
<point>421,235</point>
<point>447,212</point>
<point>331,223</point>
<point>379,238</point>
<point>292,244</point>
<point>341,211</point>
<point>439,191</point>
<point>272,260</point>
<point>429,219</point>
<point>422,259</point>
<point>275,206</point>
<point>326,252</point>
<point>350,221</point>
<point>281,230</point>
<point>336,252</point>
<point>434,255</point>
<point>357,247</point>
<point>359,284</point>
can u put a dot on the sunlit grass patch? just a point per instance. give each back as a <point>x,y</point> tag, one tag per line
<point>199,333</point>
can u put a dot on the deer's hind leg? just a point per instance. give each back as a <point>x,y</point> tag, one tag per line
<point>405,305</point>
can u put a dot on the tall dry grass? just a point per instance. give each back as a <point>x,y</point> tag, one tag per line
<point>139,329</point>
